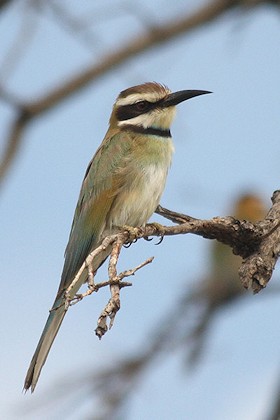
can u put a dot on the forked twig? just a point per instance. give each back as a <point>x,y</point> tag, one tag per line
<point>115,282</point>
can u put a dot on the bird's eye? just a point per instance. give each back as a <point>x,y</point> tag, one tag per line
<point>142,105</point>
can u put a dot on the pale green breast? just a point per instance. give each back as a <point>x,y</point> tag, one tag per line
<point>144,176</point>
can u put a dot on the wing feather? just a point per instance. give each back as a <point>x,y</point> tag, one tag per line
<point>104,176</point>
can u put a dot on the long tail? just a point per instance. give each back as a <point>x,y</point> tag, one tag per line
<point>54,321</point>
<point>52,326</point>
<point>48,335</point>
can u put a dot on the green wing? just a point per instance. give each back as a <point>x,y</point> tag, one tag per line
<point>102,180</point>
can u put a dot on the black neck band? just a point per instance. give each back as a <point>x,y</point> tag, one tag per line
<point>149,130</point>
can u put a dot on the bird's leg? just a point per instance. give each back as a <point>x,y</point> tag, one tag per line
<point>133,232</point>
<point>160,230</point>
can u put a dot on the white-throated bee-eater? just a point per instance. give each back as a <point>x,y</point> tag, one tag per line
<point>122,186</point>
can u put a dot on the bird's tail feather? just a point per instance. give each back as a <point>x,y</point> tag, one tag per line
<point>55,318</point>
<point>52,326</point>
<point>48,335</point>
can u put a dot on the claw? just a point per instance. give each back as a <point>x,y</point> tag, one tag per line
<point>132,232</point>
<point>160,240</point>
<point>147,238</point>
<point>160,229</point>
<point>127,245</point>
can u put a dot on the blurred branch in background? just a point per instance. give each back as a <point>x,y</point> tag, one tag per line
<point>274,412</point>
<point>153,36</point>
<point>185,328</point>
<point>4,3</point>
<point>22,41</point>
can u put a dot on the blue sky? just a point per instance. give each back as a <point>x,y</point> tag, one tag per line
<point>225,143</point>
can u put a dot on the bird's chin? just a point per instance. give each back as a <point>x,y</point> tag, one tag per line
<point>163,119</point>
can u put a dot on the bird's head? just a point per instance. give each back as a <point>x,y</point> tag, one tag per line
<point>150,105</point>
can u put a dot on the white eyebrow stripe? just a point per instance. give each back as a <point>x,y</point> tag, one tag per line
<point>137,97</point>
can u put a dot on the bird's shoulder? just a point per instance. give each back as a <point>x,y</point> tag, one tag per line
<point>99,175</point>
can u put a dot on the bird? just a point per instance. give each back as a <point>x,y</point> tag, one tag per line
<point>122,186</point>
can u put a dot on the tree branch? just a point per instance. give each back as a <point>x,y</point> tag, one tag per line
<point>258,244</point>
<point>257,269</point>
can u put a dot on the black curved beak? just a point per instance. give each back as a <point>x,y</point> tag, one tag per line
<point>180,96</point>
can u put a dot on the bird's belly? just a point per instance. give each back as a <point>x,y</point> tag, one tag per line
<point>135,204</point>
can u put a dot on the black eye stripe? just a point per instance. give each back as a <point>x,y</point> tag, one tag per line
<point>126,112</point>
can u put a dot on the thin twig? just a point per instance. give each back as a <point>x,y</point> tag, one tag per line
<point>113,305</point>
<point>115,282</point>
<point>70,294</point>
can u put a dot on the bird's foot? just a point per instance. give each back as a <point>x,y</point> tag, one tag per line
<point>135,231</point>
<point>160,230</point>
<point>133,235</point>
